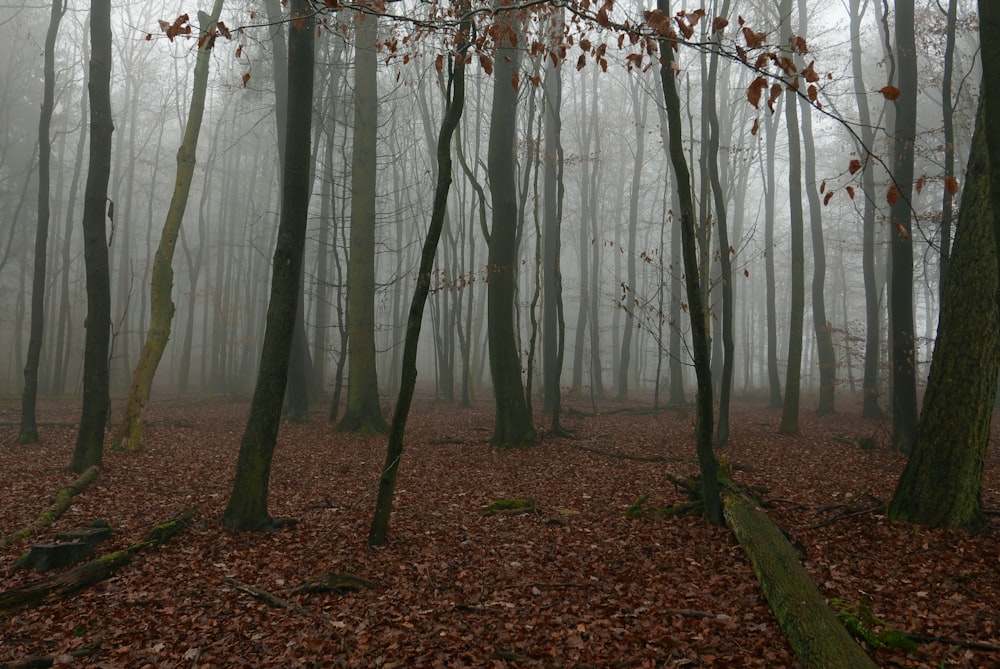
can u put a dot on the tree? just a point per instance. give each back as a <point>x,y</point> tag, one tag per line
<point>363,412</point>
<point>870,406</point>
<point>700,343</point>
<point>454,104</point>
<point>29,426</point>
<point>161,304</point>
<point>989,36</point>
<point>941,485</point>
<point>901,335</point>
<point>247,508</point>
<point>513,424</point>
<point>790,409</point>
<point>90,437</point>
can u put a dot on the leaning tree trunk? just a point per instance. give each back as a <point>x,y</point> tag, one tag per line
<point>700,342</point>
<point>247,508</point>
<point>29,425</point>
<point>989,35</point>
<point>408,380</point>
<point>90,438</point>
<point>161,304</point>
<point>942,483</point>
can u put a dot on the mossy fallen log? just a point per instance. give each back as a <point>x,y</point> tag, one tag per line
<point>58,507</point>
<point>95,571</point>
<point>812,628</point>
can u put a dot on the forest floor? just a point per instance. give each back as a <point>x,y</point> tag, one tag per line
<point>575,583</point>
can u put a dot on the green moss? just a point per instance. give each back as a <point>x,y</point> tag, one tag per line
<point>865,626</point>
<point>511,505</point>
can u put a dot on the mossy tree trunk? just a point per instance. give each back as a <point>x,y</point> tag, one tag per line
<point>812,628</point>
<point>941,485</point>
<point>247,508</point>
<point>161,305</point>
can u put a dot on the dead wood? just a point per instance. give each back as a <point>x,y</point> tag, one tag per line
<point>335,581</point>
<point>63,500</point>
<point>812,628</point>
<point>42,661</point>
<point>95,571</point>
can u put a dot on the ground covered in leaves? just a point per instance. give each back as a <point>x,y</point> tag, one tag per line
<point>572,583</point>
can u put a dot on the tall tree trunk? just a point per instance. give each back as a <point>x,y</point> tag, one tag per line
<point>363,412</point>
<point>161,304</point>
<point>870,406</point>
<point>790,409</point>
<point>708,465</point>
<point>773,377</point>
<point>90,438</point>
<point>513,424</point>
<point>29,425</point>
<point>725,249</point>
<point>989,37</point>
<point>904,363</point>
<point>408,380</point>
<point>247,507</point>
<point>948,117</point>
<point>942,483</point>
<point>825,352</point>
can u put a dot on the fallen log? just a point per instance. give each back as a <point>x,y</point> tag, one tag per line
<point>58,507</point>
<point>812,628</point>
<point>95,571</point>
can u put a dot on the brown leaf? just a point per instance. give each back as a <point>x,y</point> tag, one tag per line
<point>890,92</point>
<point>951,185</point>
<point>892,196</point>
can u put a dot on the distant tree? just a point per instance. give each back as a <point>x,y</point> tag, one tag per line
<point>247,508</point>
<point>129,431</point>
<point>96,401</point>
<point>29,426</point>
<point>941,485</point>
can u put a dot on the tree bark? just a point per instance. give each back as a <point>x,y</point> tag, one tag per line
<point>701,344</point>
<point>90,438</point>
<point>408,380</point>
<point>363,412</point>
<point>941,485</point>
<point>29,425</point>
<point>247,508</point>
<point>513,425</point>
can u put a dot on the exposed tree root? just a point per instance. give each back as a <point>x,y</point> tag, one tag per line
<point>63,500</point>
<point>95,571</point>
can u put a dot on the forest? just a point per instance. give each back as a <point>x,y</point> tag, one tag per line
<point>686,315</point>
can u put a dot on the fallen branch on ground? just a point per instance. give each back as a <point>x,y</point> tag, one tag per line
<point>95,571</point>
<point>58,507</point>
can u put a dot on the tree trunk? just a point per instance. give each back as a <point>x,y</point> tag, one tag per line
<point>408,380</point>
<point>247,508</point>
<point>790,409</point>
<point>812,628</point>
<point>704,429</point>
<point>942,483</point>
<point>161,304</point>
<point>513,425</point>
<point>29,425</point>
<point>363,412</point>
<point>904,363</point>
<point>870,405</point>
<point>90,438</point>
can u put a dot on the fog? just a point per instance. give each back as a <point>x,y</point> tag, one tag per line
<point>615,173</point>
